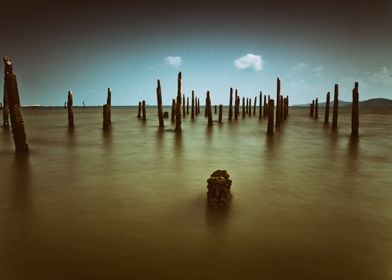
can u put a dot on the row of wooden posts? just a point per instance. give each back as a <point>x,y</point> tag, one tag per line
<point>313,110</point>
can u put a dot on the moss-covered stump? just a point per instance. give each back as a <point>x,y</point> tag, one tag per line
<point>219,188</point>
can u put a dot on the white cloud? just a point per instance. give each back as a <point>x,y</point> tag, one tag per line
<point>318,70</point>
<point>300,66</point>
<point>249,62</point>
<point>174,61</point>
<point>383,76</point>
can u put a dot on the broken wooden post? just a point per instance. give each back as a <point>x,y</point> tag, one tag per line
<point>231,105</point>
<point>173,111</point>
<point>70,110</point>
<point>335,107</point>
<point>5,108</point>
<point>220,112</point>
<point>193,106</point>
<point>139,110</point>
<point>243,107</point>
<point>316,109</point>
<point>183,106</point>
<point>178,103</point>
<point>13,102</point>
<point>326,116</point>
<point>187,105</point>
<point>215,109</point>
<point>270,127</point>
<point>355,112</point>
<point>160,110</point>
<point>208,109</point>
<point>277,117</point>
<point>260,105</point>
<point>144,110</point>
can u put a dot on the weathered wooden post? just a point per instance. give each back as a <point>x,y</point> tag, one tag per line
<point>208,109</point>
<point>250,107</point>
<point>265,111</point>
<point>277,117</point>
<point>335,107</point>
<point>281,110</point>
<point>270,127</point>
<point>173,111</point>
<point>220,112</point>
<point>144,110</point>
<point>231,105</point>
<point>187,105</point>
<point>139,110</point>
<point>178,104</point>
<point>243,107</point>
<point>159,100</point>
<point>355,112</point>
<point>326,116</point>
<point>254,106</point>
<point>286,107</point>
<point>183,106</point>
<point>316,109</point>
<point>70,110</point>
<point>260,105</point>
<point>247,106</point>
<point>5,108</point>
<point>236,105</point>
<point>205,109</point>
<point>312,109</point>
<point>109,103</point>
<point>198,105</point>
<point>215,109</point>
<point>193,106</point>
<point>13,101</point>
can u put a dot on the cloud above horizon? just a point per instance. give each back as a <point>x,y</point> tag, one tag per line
<point>249,62</point>
<point>173,61</point>
<point>383,76</point>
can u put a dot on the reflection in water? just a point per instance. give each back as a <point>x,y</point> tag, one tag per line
<point>107,137</point>
<point>178,144</point>
<point>71,137</point>
<point>217,217</point>
<point>353,145</point>
<point>21,181</point>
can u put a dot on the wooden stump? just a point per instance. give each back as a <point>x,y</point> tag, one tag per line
<point>231,105</point>
<point>335,107</point>
<point>277,117</point>
<point>215,109</point>
<point>159,101</point>
<point>312,109</point>
<point>178,103</point>
<point>5,108</point>
<point>173,111</point>
<point>208,109</point>
<point>265,110</point>
<point>220,112</point>
<point>260,105</point>
<point>13,101</point>
<point>316,110</point>
<point>144,110</point>
<point>139,110</point>
<point>327,102</point>
<point>254,106</point>
<point>355,112</point>
<point>270,127</point>
<point>243,107</point>
<point>70,110</point>
<point>193,106</point>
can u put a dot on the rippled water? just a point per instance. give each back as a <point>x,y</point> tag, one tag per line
<point>131,203</point>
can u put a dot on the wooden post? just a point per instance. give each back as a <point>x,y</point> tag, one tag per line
<point>327,102</point>
<point>281,110</point>
<point>355,112</point>
<point>144,110</point>
<point>5,108</point>
<point>312,109</point>
<point>139,110</point>
<point>254,106</point>
<point>247,106</point>
<point>243,107</point>
<point>205,109</point>
<point>215,109</point>
<point>198,105</point>
<point>173,111</point>
<point>13,101</point>
<point>220,112</point>
<point>106,110</point>
<point>250,107</point>
<point>265,111</point>
<point>270,127</point>
<point>208,109</point>
<point>231,105</point>
<point>178,103</point>
<point>70,110</point>
<point>109,103</point>
<point>335,107</point>
<point>187,105</point>
<point>286,107</point>
<point>159,100</point>
<point>183,106</point>
<point>193,106</point>
<point>260,105</point>
<point>236,105</point>
<point>316,110</point>
<point>277,117</point>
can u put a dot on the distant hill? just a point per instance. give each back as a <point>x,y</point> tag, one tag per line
<point>370,103</point>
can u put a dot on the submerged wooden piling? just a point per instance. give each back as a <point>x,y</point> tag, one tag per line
<point>109,103</point>
<point>183,107</point>
<point>208,109</point>
<point>243,108</point>
<point>335,107</point>
<point>178,103</point>
<point>286,107</point>
<point>355,112</point>
<point>173,111</point>
<point>236,106</point>
<point>316,109</point>
<point>270,126</point>
<point>215,109</point>
<point>13,101</point>
<point>106,110</point>
<point>159,101</point>
<point>281,110</point>
<point>139,110</point>
<point>231,105</point>
<point>70,110</point>
<point>220,112</point>
<point>144,110</point>
<point>250,107</point>
<point>327,102</point>
<point>254,106</point>
<point>312,109</point>
<point>260,105</point>
<point>193,106</point>
<point>187,105</point>
<point>5,108</point>
<point>265,110</point>
<point>277,117</point>
<point>198,105</point>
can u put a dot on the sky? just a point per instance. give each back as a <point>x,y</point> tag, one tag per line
<point>88,46</point>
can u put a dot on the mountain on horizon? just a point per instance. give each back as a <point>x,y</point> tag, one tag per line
<point>370,103</point>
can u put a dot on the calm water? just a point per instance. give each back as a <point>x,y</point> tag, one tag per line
<point>131,203</point>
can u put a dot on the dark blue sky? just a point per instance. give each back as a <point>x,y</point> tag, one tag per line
<point>89,46</point>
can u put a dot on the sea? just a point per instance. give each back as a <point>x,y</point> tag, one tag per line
<point>131,203</point>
